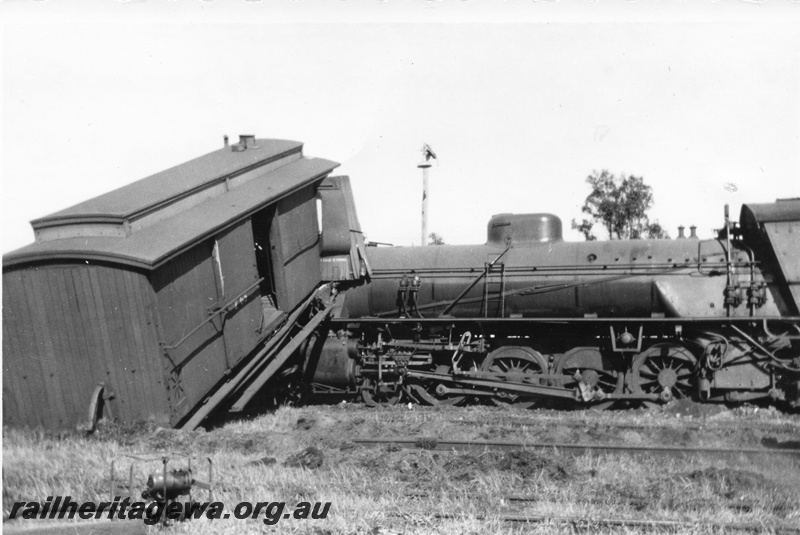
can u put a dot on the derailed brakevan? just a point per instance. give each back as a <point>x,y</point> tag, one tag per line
<point>140,302</point>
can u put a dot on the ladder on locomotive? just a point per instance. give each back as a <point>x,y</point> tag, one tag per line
<point>494,289</point>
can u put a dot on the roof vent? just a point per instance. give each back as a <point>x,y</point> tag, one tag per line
<point>246,141</point>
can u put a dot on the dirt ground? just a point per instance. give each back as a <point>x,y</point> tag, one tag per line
<point>312,454</point>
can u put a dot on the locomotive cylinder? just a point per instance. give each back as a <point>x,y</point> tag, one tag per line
<point>336,362</point>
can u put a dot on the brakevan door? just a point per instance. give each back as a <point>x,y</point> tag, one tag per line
<point>238,290</point>
<point>210,313</point>
<point>191,340</point>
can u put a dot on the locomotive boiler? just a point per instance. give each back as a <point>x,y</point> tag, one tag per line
<point>528,318</point>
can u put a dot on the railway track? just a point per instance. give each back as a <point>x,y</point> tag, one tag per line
<point>681,425</point>
<point>770,435</point>
<point>532,418</point>
<point>576,449</point>
<point>591,523</point>
<point>637,503</point>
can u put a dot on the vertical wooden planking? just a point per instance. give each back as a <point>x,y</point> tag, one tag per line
<point>48,405</point>
<point>106,358</point>
<point>298,238</point>
<point>11,408</point>
<point>10,355</point>
<point>169,324</point>
<point>186,288</point>
<point>69,327</point>
<point>162,281</point>
<point>198,291</point>
<point>136,320</point>
<point>32,375</point>
<point>115,358</point>
<point>238,266</point>
<point>151,351</point>
<point>73,366</point>
<point>11,352</point>
<point>144,398</point>
<point>90,375</point>
<point>37,332</point>
<point>84,328</point>
<point>127,347</point>
<point>279,272</point>
<point>68,359</point>
<point>128,351</point>
<point>13,395</point>
<point>91,322</point>
<point>17,341</point>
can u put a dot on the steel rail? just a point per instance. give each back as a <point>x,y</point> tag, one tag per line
<point>683,426</point>
<point>587,523</point>
<point>639,502</point>
<point>432,443</point>
<point>501,420</point>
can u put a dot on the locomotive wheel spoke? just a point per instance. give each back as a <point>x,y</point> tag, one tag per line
<point>516,360</point>
<point>663,369</point>
<point>375,396</point>
<point>590,359</point>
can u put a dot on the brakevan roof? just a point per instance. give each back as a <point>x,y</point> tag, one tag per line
<point>152,245</point>
<point>175,181</point>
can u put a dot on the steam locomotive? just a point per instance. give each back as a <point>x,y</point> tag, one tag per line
<point>528,319</point>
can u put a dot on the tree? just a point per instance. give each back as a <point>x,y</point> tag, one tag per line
<point>435,239</point>
<point>620,205</point>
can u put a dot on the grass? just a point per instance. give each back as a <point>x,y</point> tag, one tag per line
<point>389,490</point>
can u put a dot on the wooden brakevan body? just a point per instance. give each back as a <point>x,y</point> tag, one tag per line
<point>160,288</point>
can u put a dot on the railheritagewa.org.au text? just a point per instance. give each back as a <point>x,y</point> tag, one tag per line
<point>270,513</point>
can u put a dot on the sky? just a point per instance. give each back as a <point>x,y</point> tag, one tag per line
<point>519,100</point>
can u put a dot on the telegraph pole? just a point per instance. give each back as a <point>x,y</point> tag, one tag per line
<point>425,165</point>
